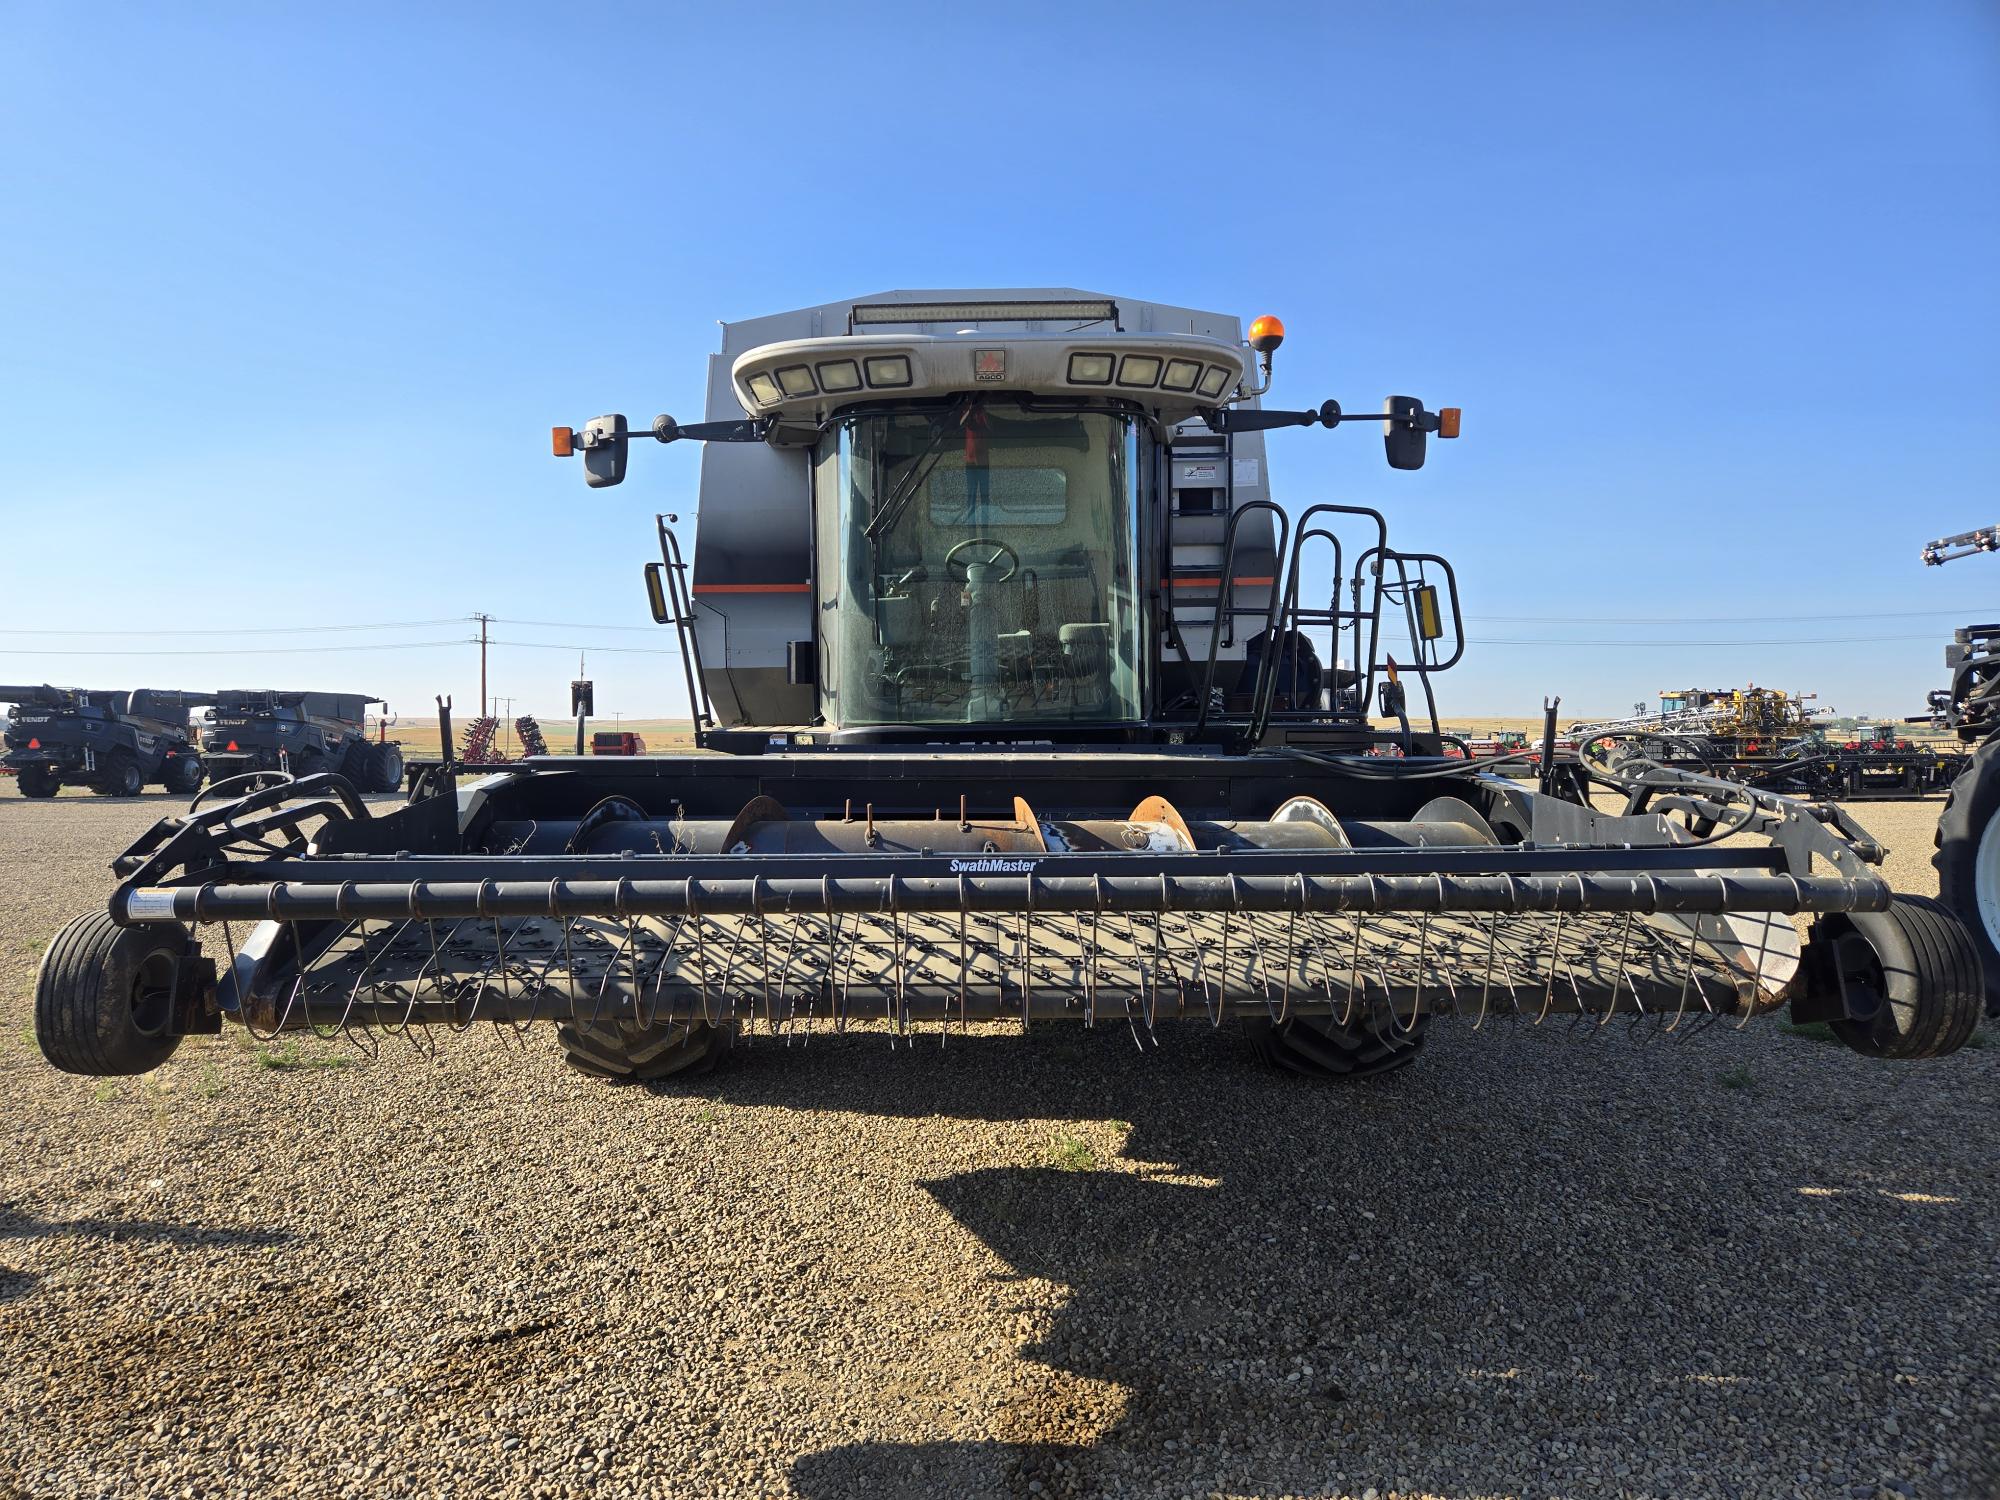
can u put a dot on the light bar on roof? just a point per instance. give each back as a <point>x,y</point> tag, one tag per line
<point>982,312</point>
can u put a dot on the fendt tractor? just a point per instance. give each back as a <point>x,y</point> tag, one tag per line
<point>301,734</point>
<point>1032,702</point>
<point>115,743</point>
<point>1968,833</point>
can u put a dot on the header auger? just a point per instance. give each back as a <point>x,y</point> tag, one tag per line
<point>1016,695</point>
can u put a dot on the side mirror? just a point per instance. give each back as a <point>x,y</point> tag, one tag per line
<point>1391,699</point>
<point>656,594</point>
<point>1403,439</point>
<point>605,443</point>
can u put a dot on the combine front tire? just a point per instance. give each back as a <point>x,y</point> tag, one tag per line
<point>184,774</point>
<point>624,1049</point>
<point>104,997</point>
<point>1320,1047</point>
<point>1912,974</point>
<point>39,781</point>
<point>385,766</point>
<point>1968,859</point>
<point>119,776</point>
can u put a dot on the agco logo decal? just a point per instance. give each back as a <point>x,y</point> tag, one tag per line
<point>992,867</point>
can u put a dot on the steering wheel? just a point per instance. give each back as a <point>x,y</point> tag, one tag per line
<point>980,551</point>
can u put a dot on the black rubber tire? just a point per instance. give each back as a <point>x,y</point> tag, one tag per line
<point>1319,1047</point>
<point>100,1001</point>
<point>623,1049</point>
<point>1927,971</point>
<point>184,773</point>
<point>1970,806</point>
<point>39,781</point>
<point>385,766</point>
<point>308,762</point>
<point>119,776</point>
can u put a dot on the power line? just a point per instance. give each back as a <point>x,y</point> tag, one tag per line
<point>575,646</point>
<point>241,650</point>
<point>240,629</point>
<point>576,625</point>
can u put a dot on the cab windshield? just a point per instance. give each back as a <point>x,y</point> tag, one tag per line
<point>988,567</point>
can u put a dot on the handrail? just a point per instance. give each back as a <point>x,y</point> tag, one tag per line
<point>1225,591</point>
<point>680,603</point>
<point>1264,692</point>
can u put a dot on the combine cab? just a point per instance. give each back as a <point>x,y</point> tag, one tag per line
<point>302,734</point>
<point>114,743</point>
<point>1033,703</point>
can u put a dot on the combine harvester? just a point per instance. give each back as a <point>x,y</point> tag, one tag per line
<point>300,734</point>
<point>115,743</point>
<point>1027,710</point>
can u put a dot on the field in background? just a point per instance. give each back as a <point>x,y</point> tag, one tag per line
<point>419,737</point>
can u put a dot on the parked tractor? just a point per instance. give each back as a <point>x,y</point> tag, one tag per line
<point>115,743</point>
<point>1016,695</point>
<point>302,734</point>
<point>1968,834</point>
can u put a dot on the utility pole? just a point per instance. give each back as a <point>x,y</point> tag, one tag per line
<point>507,724</point>
<point>483,620</point>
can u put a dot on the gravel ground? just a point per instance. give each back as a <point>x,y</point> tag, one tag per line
<point>1737,1266</point>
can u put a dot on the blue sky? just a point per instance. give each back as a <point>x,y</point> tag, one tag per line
<point>289,299</point>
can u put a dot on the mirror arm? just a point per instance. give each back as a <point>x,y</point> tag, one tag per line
<point>1239,419</point>
<point>1330,414</point>
<point>748,430</point>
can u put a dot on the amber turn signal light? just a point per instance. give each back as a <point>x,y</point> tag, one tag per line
<point>563,441</point>
<point>1447,421</point>
<point>1266,334</point>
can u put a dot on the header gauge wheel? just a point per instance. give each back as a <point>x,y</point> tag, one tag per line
<point>1915,972</point>
<point>104,997</point>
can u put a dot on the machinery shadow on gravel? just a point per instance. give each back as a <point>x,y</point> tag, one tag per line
<point>1285,1288</point>
<point>18,1224</point>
